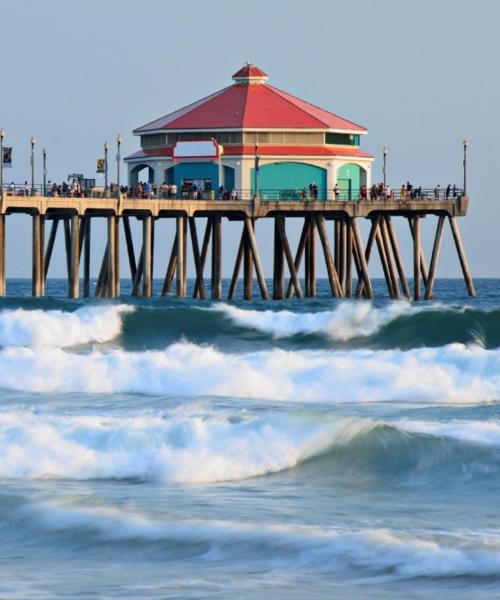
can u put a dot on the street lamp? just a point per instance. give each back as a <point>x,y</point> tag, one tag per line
<point>465,143</point>
<point>106,166</point>
<point>44,156</point>
<point>2,135</point>
<point>33,142</point>
<point>384,170</point>
<point>119,141</point>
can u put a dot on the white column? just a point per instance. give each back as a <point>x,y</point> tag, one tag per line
<point>331,179</point>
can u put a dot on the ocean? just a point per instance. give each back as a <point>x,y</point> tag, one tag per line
<point>314,449</point>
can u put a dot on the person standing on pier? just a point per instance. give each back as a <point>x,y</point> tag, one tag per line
<point>437,189</point>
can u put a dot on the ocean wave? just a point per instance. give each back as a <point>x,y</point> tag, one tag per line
<point>394,554</point>
<point>346,321</point>
<point>57,328</point>
<point>191,449</point>
<point>451,374</point>
<point>206,448</point>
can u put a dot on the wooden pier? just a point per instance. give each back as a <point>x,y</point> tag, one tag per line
<point>329,228</point>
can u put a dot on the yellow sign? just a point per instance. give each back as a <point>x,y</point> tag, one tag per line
<point>101,164</point>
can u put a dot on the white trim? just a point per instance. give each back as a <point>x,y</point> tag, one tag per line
<point>251,130</point>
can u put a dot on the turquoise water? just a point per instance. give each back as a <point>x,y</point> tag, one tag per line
<point>170,448</point>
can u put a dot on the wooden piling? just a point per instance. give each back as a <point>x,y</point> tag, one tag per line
<point>333,278</point>
<point>86,257</point>
<point>256,258</point>
<point>147,282</point>
<point>203,256</point>
<point>348,259</point>
<point>37,273</point>
<point>278,262</point>
<point>111,270</point>
<point>362,257</point>
<point>436,249</point>
<point>388,254</point>
<point>237,267</point>
<point>180,270</point>
<point>50,245</point>
<point>383,260</point>
<point>74,290</point>
<point>199,287</point>
<point>462,257</point>
<point>294,276</point>
<point>247,267</point>
<point>416,258</point>
<point>397,256</point>
<point>216,275</point>
<point>299,254</point>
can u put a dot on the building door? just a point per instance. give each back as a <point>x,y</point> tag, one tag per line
<point>345,187</point>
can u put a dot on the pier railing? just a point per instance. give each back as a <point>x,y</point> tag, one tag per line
<point>396,195</point>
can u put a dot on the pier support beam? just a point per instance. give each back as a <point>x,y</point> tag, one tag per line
<point>436,249</point>
<point>199,286</point>
<point>348,258</point>
<point>247,267</point>
<point>86,257</point>
<point>181,256</point>
<point>256,258</point>
<point>216,275</point>
<point>462,257</point>
<point>310,260</point>
<point>278,262</point>
<point>397,256</point>
<point>74,288</point>
<point>416,258</point>
<point>363,264</point>
<point>299,254</point>
<point>111,258</point>
<point>329,260</point>
<point>38,270</point>
<point>147,238</point>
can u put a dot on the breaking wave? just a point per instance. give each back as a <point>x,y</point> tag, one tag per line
<point>451,374</point>
<point>195,448</point>
<point>57,328</point>
<point>391,553</point>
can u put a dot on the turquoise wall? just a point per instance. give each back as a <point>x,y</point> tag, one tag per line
<point>228,178</point>
<point>200,170</point>
<point>276,179</point>
<point>349,180</point>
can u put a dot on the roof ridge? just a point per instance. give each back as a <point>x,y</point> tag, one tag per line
<point>282,93</point>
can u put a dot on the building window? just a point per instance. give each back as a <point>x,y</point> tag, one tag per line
<point>154,140</point>
<point>283,137</point>
<point>224,137</point>
<point>342,139</point>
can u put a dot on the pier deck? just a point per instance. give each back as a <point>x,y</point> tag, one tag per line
<point>345,257</point>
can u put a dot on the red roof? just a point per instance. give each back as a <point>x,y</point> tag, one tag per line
<point>251,104</point>
<point>268,149</point>
<point>249,71</point>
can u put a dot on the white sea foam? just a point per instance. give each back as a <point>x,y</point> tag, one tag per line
<point>186,448</point>
<point>450,374</point>
<point>477,432</point>
<point>373,551</point>
<point>348,320</point>
<point>57,328</point>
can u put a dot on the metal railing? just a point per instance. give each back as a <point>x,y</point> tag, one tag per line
<point>265,195</point>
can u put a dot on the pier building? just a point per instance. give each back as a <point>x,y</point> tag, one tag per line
<point>214,143</point>
<point>273,150</point>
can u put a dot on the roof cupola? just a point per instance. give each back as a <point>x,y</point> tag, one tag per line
<point>250,74</point>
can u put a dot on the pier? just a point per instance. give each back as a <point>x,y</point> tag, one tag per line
<point>329,229</point>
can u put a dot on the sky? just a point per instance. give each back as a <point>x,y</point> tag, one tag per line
<point>420,75</point>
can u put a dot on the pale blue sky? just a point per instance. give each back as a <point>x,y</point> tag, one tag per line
<point>420,75</point>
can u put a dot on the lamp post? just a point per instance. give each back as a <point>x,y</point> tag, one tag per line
<point>384,169</point>
<point>106,166</point>
<point>465,143</point>
<point>32,142</point>
<point>2,135</point>
<point>44,156</point>
<point>119,141</point>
